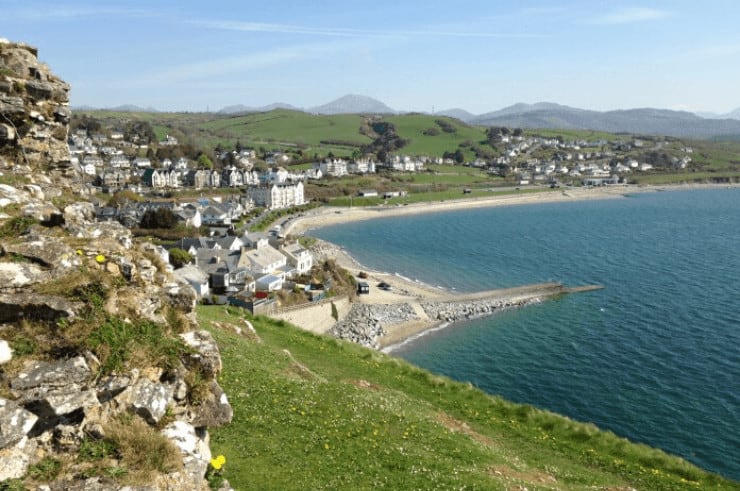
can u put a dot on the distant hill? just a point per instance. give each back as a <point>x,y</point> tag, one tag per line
<point>638,121</point>
<point>353,104</point>
<point>733,114</point>
<point>131,108</point>
<point>240,108</point>
<point>457,113</point>
<point>124,108</point>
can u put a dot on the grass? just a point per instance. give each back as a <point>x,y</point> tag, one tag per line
<point>312,412</point>
<point>117,343</point>
<point>143,451</point>
<point>412,127</point>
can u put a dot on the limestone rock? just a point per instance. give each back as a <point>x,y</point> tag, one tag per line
<point>15,459</point>
<point>17,275</point>
<point>44,249</point>
<point>214,410</point>
<point>207,358</point>
<point>14,306</point>
<point>15,422</point>
<point>193,444</point>
<point>79,213</point>
<point>149,399</point>
<point>52,374</point>
<point>6,354</point>
<point>181,296</point>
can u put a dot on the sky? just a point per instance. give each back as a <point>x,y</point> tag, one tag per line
<point>415,55</point>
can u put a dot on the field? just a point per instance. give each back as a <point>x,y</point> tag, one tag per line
<point>412,127</point>
<point>312,412</point>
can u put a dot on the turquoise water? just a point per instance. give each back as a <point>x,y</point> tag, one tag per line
<point>654,356</point>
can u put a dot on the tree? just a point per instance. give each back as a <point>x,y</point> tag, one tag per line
<point>179,257</point>
<point>204,161</point>
<point>159,218</point>
<point>459,156</point>
<point>122,197</point>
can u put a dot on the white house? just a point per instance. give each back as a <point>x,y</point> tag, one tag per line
<point>277,196</point>
<point>298,257</point>
<point>194,277</point>
<point>333,167</point>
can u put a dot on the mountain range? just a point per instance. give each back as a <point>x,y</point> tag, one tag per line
<point>546,115</point>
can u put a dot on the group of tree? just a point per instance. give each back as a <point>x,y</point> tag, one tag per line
<point>386,142</point>
<point>159,218</point>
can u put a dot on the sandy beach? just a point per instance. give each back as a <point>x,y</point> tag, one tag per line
<point>412,295</point>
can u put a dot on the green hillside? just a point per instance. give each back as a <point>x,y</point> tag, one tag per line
<point>312,412</point>
<point>413,127</point>
<point>288,129</point>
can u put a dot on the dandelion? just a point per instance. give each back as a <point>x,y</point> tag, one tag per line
<point>100,259</point>
<point>218,462</point>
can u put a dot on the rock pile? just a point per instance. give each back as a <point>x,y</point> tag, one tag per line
<point>364,323</point>
<point>458,311</point>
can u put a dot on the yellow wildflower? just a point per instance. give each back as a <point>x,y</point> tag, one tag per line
<point>218,462</point>
<point>100,259</point>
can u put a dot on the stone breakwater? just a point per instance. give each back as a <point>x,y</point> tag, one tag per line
<point>458,311</point>
<point>365,322</point>
<point>371,325</point>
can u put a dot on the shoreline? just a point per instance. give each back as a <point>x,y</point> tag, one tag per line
<point>411,296</point>
<point>332,215</point>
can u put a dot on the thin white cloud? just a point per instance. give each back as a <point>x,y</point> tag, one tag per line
<point>347,32</point>
<point>61,12</point>
<point>718,50</point>
<point>229,66</point>
<point>630,15</point>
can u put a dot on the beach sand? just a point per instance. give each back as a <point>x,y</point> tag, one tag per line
<point>405,290</point>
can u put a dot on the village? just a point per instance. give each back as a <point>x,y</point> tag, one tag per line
<point>229,263</point>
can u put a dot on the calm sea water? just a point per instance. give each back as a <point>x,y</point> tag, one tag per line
<point>654,356</point>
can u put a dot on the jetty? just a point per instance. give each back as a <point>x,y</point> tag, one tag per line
<point>379,325</point>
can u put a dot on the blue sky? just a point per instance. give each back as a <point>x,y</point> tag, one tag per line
<point>413,55</point>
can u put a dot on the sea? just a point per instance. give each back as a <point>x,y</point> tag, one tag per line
<point>654,356</point>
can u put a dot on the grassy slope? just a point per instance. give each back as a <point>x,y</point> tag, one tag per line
<point>412,126</point>
<point>292,127</point>
<point>333,415</point>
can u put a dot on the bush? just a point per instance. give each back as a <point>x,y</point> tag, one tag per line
<point>159,218</point>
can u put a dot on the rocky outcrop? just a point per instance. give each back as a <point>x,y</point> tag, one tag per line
<point>70,289</point>
<point>34,112</point>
